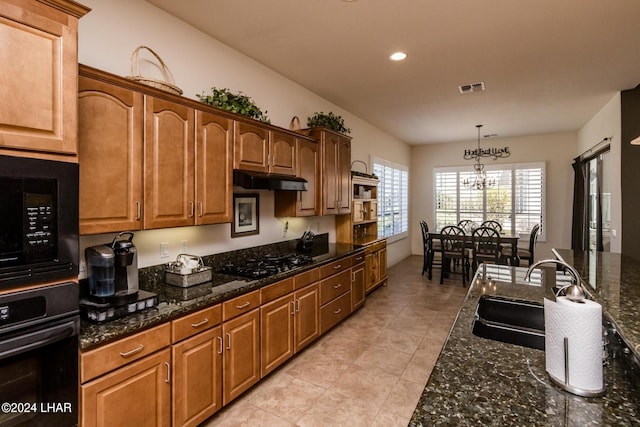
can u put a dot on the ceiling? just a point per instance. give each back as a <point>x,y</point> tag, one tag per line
<point>547,65</point>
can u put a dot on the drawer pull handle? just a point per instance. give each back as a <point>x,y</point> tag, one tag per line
<point>139,210</point>
<point>297,305</point>
<point>293,307</point>
<point>220,340</point>
<point>200,208</point>
<point>337,267</point>
<point>168,372</point>
<point>132,352</point>
<point>228,341</point>
<point>246,304</point>
<point>197,325</point>
<point>191,209</point>
<point>337,286</point>
<point>337,311</point>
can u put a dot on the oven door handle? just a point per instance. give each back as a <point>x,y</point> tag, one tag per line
<point>32,340</point>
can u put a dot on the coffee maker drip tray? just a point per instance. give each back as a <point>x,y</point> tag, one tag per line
<point>99,312</point>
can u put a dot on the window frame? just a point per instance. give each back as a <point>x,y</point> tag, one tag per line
<point>403,199</point>
<point>513,167</point>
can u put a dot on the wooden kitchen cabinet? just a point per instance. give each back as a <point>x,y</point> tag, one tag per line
<point>197,377</point>
<point>376,265</point>
<point>361,227</point>
<point>110,135</point>
<point>259,149</point>
<point>288,324</point>
<point>277,330</point>
<point>241,362</point>
<point>39,79</point>
<point>358,278</point>
<point>128,382</point>
<point>303,203</point>
<point>169,164</point>
<point>214,155</point>
<point>335,150</point>
<point>185,168</point>
<point>138,394</point>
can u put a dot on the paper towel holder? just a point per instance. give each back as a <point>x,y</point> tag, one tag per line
<point>565,384</point>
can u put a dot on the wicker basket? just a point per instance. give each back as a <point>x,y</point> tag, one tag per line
<point>167,86</point>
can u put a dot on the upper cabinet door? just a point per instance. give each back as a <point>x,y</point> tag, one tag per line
<point>110,143</point>
<point>330,164</point>
<point>344,176</point>
<point>282,154</point>
<point>169,183</point>
<point>39,78</point>
<point>214,186</point>
<point>309,169</point>
<point>251,148</point>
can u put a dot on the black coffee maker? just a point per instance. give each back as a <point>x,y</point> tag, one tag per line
<point>113,270</point>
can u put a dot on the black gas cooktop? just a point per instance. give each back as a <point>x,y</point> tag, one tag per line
<point>268,265</point>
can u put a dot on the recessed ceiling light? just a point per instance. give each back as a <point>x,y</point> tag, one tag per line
<point>398,56</point>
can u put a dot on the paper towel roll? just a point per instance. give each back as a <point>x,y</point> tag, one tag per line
<point>581,323</point>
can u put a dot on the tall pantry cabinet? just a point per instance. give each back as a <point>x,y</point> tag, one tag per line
<point>39,78</point>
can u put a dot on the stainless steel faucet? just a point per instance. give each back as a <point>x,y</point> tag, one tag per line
<point>574,291</point>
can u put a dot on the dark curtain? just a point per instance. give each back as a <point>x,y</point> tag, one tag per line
<point>579,226</point>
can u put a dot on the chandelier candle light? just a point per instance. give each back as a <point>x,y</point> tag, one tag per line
<point>480,180</point>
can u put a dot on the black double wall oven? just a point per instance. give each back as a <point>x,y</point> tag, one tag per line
<point>39,298</point>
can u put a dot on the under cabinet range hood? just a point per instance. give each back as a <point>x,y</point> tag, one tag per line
<point>268,181</point>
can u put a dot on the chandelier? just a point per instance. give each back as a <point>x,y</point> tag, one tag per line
<point>480,181</point>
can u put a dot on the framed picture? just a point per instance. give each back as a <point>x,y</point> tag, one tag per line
<point>246,215</point>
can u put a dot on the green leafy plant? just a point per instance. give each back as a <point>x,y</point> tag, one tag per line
<point>330,121</point>
<point>234,103</point>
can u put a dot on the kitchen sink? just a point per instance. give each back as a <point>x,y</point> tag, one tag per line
<point>511,321</point>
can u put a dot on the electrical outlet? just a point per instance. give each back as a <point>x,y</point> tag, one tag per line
<point>184,246</point>
<point>164,250</point>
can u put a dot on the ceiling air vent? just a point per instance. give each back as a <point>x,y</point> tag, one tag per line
<point>471,87</point>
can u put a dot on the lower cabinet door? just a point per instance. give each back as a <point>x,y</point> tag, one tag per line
<point>307,318</point>
<point>357,286</point>
<point>241,363</point>
<point>276,324</point>
<point>197,378</point>
<point>138,394</point>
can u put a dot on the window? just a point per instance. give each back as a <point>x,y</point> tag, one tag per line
<point>516,201</point>
<point>393,200</point>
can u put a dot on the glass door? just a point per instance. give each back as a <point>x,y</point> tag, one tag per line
<point>599,202</point>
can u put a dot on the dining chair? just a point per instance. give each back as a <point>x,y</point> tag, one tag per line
<point>453,247</point>
<point>524,253</point>
<point>430,247</point>
<point>486,246</point>
<point>467,225</point>
<point>492,224</point>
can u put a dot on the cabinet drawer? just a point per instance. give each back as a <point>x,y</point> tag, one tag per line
<point>94,363</point>
<point>306,278</point>
<point>357,258</point>
<point>194,323</point>
<point>335,286</point>
<point>334,267</point>
<point>239,305</point>
<point>334,312</point>
<point>281,288</point>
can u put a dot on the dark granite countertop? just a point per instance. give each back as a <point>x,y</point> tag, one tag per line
<point>174,301</point>
<point>478,381</point>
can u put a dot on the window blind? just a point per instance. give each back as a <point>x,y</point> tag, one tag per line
<point>516,200</point>
<point>393,198</point>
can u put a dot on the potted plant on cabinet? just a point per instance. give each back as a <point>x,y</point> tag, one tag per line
<point>330,121</point>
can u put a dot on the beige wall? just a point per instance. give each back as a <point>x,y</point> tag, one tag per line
<point>556,150</point>
<point>113,29</point>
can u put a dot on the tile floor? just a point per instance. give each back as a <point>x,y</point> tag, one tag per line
<point>368,371</point>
